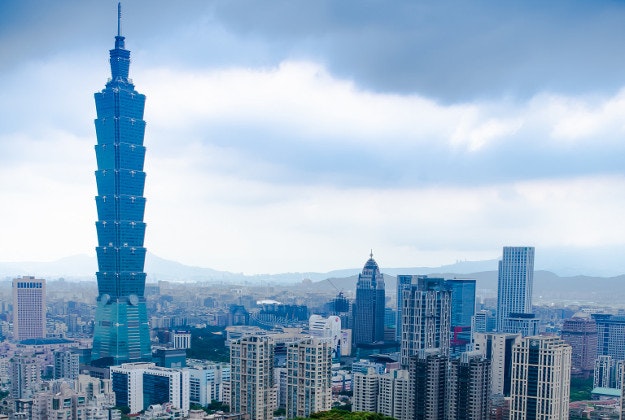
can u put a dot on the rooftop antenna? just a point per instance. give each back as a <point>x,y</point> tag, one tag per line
<point>119,18</point>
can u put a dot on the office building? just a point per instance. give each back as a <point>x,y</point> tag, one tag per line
<point>610,335</point>
<point>541,373</point>
<point>515,281</point>
<point>483,321</point>
<point>206,381</point>
<point>139,385</point>
<point>468,387</point>
<point>580,332</point>
<point>164,385</point>
<point>252,387</point>
<point>169,357</point>
<point>426,317</point>
<point>497,347</point>
<point>524,324</point>
<point>181,339</point>
<point>369,305</point>
<point>309,377</point>
<point>462,312</point>
<point>66,364</point>
<point>428,369</point>
<point>29,308</point>
<point>121,331</point>
<point>329,328</point>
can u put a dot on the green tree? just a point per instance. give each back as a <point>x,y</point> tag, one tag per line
<point>208,345</point>
<point>581,389</point>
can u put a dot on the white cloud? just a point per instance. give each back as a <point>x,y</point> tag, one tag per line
<point>211,203</point>
<point>583,119</point>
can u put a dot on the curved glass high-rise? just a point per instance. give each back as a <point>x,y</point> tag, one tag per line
<point>121,332</point>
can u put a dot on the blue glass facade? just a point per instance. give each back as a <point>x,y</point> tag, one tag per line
<point>462,302</point>
<point>121,325</point>
<point>369,305</point>
<point>155,389</point>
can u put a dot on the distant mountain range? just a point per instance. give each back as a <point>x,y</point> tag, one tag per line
<point>83,267</point>
<point>563,261</point>
<point>547,284</point>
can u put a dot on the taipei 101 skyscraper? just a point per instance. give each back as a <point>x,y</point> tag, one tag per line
<point>121,332</point>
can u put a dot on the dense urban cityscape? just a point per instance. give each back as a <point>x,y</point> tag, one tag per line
<point>409,346</point>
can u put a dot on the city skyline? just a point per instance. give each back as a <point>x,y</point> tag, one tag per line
<point>295,139</point>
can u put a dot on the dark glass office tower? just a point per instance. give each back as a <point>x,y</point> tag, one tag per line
<point>121,331</point>
<point>369,306</point>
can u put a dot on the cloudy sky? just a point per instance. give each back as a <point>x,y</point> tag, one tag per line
<point>298,135</point>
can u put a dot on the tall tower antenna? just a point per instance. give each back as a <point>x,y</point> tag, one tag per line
<point>119,18</point>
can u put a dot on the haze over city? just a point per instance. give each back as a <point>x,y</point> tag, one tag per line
<point>297,136</point>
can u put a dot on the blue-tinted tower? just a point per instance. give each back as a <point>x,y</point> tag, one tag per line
<point>121,332</point>
<point>368,309</point>
<point>462,312</point>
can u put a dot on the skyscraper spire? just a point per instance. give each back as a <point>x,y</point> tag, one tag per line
<point>119,39</point>
<point>119,18</point>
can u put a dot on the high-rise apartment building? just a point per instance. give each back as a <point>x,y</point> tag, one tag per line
<point>365,386</point>
<point>403,282</point>
<point>468,387</point>
<point>66,364</point>
<point>428,371</point>
<point>497,347</point>
<point>25,375</point>
<point>29,308</point>
<point>394,395</point>
<point>252,386</point>
<point>541,378</point>
<point>309,377</point>
<point>603,372</point>
<point>426,317</point>
<point>581,334</point>
<point>369,305</point>
<point>514,292</point>
<point>121,331</point>
<point>387,393</point>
